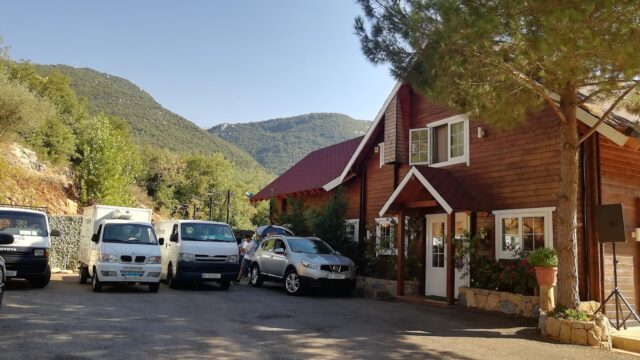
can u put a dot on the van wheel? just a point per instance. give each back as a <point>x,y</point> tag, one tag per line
<point>256,277</point>
<point>292,283</point>
<point>172,282</point>
<point>153,288</point>
<point>96,285</point>
<point>38,282</point>
<point>84,274</point>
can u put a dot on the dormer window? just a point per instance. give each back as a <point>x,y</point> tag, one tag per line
<point>441,143</point>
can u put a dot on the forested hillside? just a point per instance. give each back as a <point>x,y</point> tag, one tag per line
<point>151,124</point>
<point>279,143</point>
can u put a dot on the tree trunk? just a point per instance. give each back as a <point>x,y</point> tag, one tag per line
<point>566,241</point>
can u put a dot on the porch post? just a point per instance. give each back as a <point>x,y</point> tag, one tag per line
<point>400,256</point>
<point>451,225</point>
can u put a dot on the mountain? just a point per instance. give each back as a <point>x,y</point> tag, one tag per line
<point>150,122</point>
<point>279,143</point>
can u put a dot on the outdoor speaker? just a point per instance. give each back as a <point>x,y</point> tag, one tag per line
<point>610,223</point>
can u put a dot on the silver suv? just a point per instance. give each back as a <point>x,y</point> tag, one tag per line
<point>302,263</point>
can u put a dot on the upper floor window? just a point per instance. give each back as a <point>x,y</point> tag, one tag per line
<point>522,230</point>
<point>441,143</point>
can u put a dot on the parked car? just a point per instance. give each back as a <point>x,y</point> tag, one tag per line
<point>118,245</point>
<point>26,252</point>
<point>302,263</point>
<point>197,251</point>
<point>3,279</point>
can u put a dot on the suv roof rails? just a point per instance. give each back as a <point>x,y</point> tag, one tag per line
<point>44,209</point>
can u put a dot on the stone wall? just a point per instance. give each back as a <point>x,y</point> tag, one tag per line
<point>64,249</point>
<point>375,288</point>
<point>596,332</point>
<point>508,303</point>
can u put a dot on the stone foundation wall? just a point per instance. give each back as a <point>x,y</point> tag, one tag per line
<point>595,332</point>
<point>508,303</point>
<point>64,249</point>
<point>375,288</point>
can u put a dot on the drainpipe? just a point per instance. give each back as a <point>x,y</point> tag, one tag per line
<point>585,232</point>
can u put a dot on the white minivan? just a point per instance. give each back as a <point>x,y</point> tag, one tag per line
<point>119,245</point>
<point>197,251</point>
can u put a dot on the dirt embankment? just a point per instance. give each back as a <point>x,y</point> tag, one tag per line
<point>27,181</point>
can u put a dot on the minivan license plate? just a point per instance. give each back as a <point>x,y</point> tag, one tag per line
<point>337,276</point>
<point>12,272</point>
<point>211,276</point>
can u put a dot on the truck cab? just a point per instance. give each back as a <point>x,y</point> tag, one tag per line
<point>123,248</point>
<point>197,251</point>
<point>27,256</point>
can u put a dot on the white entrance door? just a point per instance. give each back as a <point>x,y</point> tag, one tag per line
<point>436,270</point>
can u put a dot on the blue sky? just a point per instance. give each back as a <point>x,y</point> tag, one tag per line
<point>210,61</point>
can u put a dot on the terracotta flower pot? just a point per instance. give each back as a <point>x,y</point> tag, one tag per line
<point>546,276</point>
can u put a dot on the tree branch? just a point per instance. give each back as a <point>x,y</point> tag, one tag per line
<point>593,129</point>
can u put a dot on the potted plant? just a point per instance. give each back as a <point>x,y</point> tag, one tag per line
<point>545,263</point>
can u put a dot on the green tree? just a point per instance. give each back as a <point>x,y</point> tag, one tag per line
<point>107,164</point>
<point>500,60</point>
<point>328,223</point>
<point>295,217</point>
<point>21,110</point>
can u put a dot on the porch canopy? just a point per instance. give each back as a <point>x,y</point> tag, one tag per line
<point>425,187</point>
<point>429,190</point>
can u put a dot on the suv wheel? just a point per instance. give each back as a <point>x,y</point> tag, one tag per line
<point>292,283</point>
<point>256,277</point>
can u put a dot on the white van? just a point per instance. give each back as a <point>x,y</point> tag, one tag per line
<point>27,256</point>
<point>197,251</point>
<point>118,245</point>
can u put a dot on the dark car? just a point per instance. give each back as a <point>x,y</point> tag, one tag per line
<point>3,279</point>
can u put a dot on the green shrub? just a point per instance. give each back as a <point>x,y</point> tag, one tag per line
<point>543,257</point>
<point>561,312</point>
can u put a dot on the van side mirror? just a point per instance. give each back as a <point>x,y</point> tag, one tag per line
<point>95,238</point>
<point>161,241</point>
<point>279,251</point>
<point>55,233</point>
<point>174,238</point>
<point>6,239</point>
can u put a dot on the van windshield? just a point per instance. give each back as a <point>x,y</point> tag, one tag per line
<point>129,233</point>
<point>206,232</point>
<point>23,223</point>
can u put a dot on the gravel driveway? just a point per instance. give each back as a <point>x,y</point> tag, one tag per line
<point>67,320</point>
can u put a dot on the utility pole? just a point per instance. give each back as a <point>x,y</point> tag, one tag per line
<point>228,204</point>
<point>210,195</point>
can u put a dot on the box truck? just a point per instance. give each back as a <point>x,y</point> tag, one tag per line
<point>197,251</point>
<point>26,240</point>
<point>119,245</point>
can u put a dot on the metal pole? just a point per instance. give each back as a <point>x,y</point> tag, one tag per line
<point>193,216</point>
<point>210,208</point>
<point>228,204</point>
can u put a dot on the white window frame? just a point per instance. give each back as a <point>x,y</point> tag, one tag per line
<point>381,153</point>
<point>450,161</point>
<point>411,162</point>
<point>356,230</point>
<point>391,221</point>
<point>546,212</point>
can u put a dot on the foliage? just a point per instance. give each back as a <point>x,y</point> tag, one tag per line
<point>21,110</point>
<point>329,223</point>
<point>562,312</point>
<point>151,124</point>
<point>543,257</point>
<point>107,166</point>
<point>277,144</point>
<point>378,261</point>
<point>295,219</point>
<point>501,60</point>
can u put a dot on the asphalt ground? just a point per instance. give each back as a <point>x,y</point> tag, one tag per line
<point>66,320</point>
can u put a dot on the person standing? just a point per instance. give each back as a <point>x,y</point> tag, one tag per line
<point>249,248</point>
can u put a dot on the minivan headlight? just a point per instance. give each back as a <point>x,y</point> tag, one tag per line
<point>40,252</point>
<point>232,258</point>
<point>108,258</point>
<point>153,260</point>
<point>310,265</point>
<point>187,257</point>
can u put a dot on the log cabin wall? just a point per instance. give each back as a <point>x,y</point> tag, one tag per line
<point>620,183</point>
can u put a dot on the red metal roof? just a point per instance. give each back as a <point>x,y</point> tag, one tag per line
<point>312,172</point>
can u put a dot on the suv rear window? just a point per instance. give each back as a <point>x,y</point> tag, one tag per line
<point>268,245</point>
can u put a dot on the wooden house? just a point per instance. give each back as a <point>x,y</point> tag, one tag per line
<point>451,174</point>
